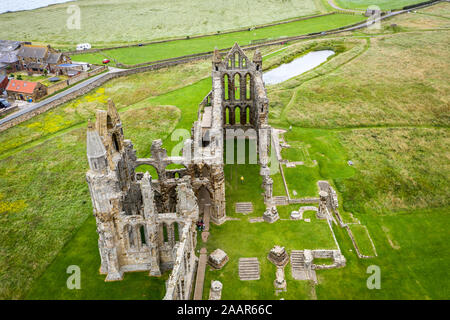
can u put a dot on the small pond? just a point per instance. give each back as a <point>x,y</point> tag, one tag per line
<point>296,67</point>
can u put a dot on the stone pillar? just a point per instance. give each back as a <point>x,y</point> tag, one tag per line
<point>216,290</point>
<point>322,213</point>
<point>218,215</point>
<point>271,214</point>
<point>155,269</point>
<point>108,249</point>
<point>267,186</point>
<point>308,259</point>
<point>114,272</point>
<point>171,235</point>
<point>280,281</point>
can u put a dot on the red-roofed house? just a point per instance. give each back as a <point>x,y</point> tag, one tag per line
<point>25,90</point>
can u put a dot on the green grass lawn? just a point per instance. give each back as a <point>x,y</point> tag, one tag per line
<point>362,239</point>
<point>256,240</point>
<point>177,48</point>
<point>106,22</point>
<point>383,4</point>
<point>82,251</point>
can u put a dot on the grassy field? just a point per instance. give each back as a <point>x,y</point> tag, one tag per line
<point>82,251</point>
<point>134,55</point>
<point>392,122</point>
<point>383,4</point>
<point>377,95</point>
<point>117,21</point>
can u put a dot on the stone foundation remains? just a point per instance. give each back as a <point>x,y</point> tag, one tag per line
<point>278,256</point>
<point>217,259</point>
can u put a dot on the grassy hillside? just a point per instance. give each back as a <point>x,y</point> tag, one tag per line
<point>117,21</point>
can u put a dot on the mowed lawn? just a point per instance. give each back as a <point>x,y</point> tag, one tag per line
<point>106,22</point>
<point>244,239</point>
<point>158,51</point>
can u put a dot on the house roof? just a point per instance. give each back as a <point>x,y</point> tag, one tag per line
<point>36,52</point>
<point>9,45</point>
<point>21,86</point>
<point>8,57</point>
<point>54,57</point>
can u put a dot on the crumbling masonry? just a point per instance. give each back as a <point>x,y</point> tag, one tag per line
<point>148,223</point>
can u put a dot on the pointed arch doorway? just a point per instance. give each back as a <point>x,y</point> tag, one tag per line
<point>204,203</point>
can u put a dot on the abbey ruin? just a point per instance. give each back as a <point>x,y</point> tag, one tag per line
<point>148,224</point>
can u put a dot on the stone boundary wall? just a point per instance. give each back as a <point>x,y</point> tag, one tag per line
<point>75,52</point>
<point>66,83</point>
<point>4,112</point>
<point>303,200</point>
<point>56,87</point>
<point>358,252</point>
<point>413,6</point>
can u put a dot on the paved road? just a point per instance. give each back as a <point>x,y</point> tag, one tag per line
<point>57,96</point>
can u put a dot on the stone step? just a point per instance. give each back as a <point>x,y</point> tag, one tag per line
<point>244,207</point>
<point>297,261</point>
<point>280,200</point>
<point>246,269</point>
<point>249,269</point>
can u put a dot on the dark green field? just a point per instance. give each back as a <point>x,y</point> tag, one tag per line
<point>158,51</point>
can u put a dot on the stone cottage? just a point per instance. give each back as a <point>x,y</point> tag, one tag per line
<point>37,59</point>
<point>25,90</point>
<point>9,61</point>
